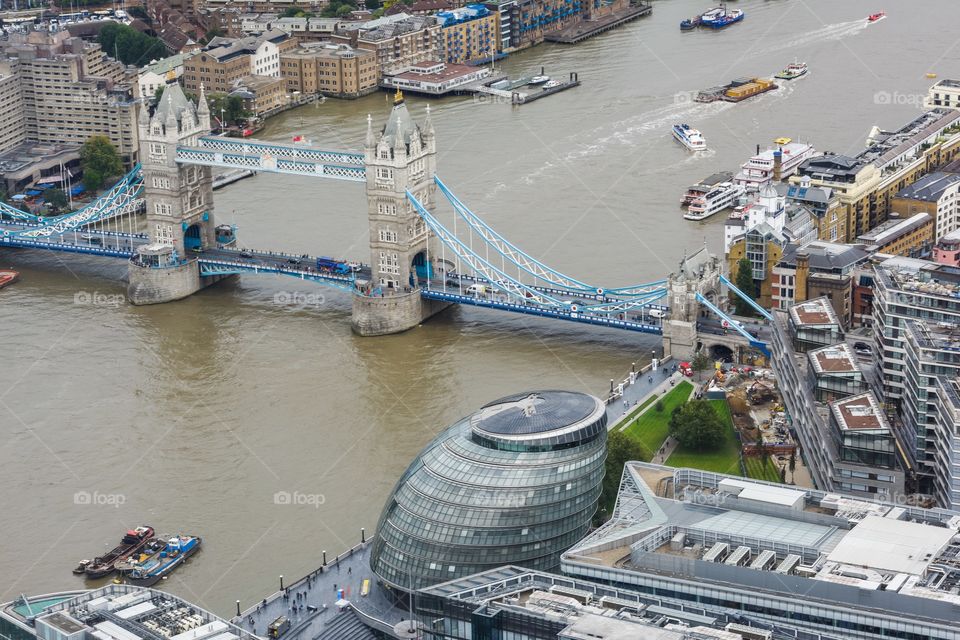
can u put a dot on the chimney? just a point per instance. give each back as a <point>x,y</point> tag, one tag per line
<point>777,165</point>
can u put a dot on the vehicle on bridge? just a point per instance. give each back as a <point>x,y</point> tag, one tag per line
<point>335,266</point>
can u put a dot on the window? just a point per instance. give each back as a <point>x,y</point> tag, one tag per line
<point>161,183</point>
<point>158,151</point>
<point>388,236</point>
<point>386,209</point>
<point>164,234</point>
<point>383,173</point>
<point>162,209</point>
<point>389,263</point>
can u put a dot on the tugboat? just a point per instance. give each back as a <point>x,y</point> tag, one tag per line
<point>158,566</point>
<point>793,71</point>
<point>689,137</point>
<point>719,18</point>
<point>8,277</point>
<point>133,541</point>
<point>875,17</point>
<point>691,24</point>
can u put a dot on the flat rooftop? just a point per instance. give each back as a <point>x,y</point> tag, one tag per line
<point>435,71</point>
<point>838,358</point>
<point>64,623</point>
<point>860,413</point>
<point>817,312</point>
<point>891,230</point>
<point>887,544</point>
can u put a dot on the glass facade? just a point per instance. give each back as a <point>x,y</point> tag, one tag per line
<point>515,483</point>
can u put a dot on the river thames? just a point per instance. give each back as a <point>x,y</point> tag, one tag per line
<point>193,416</point>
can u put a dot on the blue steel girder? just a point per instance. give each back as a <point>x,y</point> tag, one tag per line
<point>290,166</point>
<point>110,252</point>
<point>766,314</point>
<point>543,312</point>
<point>212,267</point>
<point>275,150</point>
<point>753,340</point>
<point>531,265</point>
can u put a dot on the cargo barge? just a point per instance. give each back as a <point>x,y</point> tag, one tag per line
<point>737,90</point>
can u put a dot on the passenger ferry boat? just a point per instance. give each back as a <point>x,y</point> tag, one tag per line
<point>719,17</point>
<point>759,170</point>
<point>793,71</point>
<point>705,186</point>
<point>689,137</point>
<point>723,196</point>
<point>158,566</point>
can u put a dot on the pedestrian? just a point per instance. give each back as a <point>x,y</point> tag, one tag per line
<point>649,379</point>
<point>349,570</point>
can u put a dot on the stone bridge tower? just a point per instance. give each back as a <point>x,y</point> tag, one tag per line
<point>179,200</point>
<point>698,273</point>
<point>402,249</point>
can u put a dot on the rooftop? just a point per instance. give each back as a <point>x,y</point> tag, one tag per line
<point>534,413</point>
<point>838,358</point>
<point>817,312</point>
<point>860,413</point>
<point>930,187</point>
<point>886,232</point>
<point>889,145</point>
<point>920,276</point>
<point>886,544</point>
<point>826,257</point>
<point>831,166</point>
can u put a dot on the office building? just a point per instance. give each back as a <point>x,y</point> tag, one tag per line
<point>222,63</point>
<point>818,269</point>
<point>468,34</point>
<point>517,482</point>
<point>936,194</point>
<point>399,41</point>
<point>333,70</point>
<point>910,237</point>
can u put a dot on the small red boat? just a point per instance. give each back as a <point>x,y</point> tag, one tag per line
<point>873,17</point>
<point>8,277</point>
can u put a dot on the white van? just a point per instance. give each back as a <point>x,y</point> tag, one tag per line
<point>656,313</point>
<point>476,290</point>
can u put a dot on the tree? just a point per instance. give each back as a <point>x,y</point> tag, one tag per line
<point>744,282</point>
<point>700,363</point>
<point>158,94</point>
<point>373,5</point>
<point>129,46</point>
<point>792,463</point>
<point>658,407</point>
<point>621,449</point>
<point>697,426</point>
<point>294,12</point>
<point>99,160</point>
<point>230,108</point>
<point>56,198</point>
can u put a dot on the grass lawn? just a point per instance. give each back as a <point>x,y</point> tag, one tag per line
<point>725,459</point>
<point>651,428</point>
<point>759,471</point>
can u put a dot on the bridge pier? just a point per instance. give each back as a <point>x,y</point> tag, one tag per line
<point>380,316</point>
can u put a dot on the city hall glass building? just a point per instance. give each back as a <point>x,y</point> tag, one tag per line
<point>516,483</point>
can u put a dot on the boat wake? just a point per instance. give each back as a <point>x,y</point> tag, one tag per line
<point>836,31</point>
<point>630,131</point>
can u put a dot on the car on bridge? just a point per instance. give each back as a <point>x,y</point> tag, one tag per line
<point>246,254</point>
<point>295,261</point>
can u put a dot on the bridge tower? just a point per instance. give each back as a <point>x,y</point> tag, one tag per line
<point>698,273</point>
<point>402,249</point>
<point>179,200</point>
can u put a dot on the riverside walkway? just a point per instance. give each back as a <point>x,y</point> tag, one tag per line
<point>311,603</point>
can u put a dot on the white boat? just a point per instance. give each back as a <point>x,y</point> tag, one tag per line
<point>539,79</point>
<point>689,137</point>
<point>759,170</point>
<point>551,84</point>
<point>723,196</point>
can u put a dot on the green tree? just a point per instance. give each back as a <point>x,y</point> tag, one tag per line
<point>621,449</point>
<point>744,282</point>
<point>57,198</point>
<point>158,94</point>
<point>230,108</point>
<point>372,5</point>
<point>99,160</point>
<point>697,426</point>
<point>658,407</point>
<point>294,12</point>
<point>128,45</point>
<point>700,363</point>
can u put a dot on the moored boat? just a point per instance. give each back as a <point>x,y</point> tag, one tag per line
<point>550,84</point>
<point>761,168</point>
<point>691,24</point>
<point>793,71</point>
<point>8,277</point>
<point>158,566</point>
<point>153,547</point>
<point>721,197</point>
<point>539,79</point>
<point>719,17</point>
<point>132,541</point>
<point>689,137</point>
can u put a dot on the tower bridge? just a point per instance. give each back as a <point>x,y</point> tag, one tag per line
<point>418,265</point>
